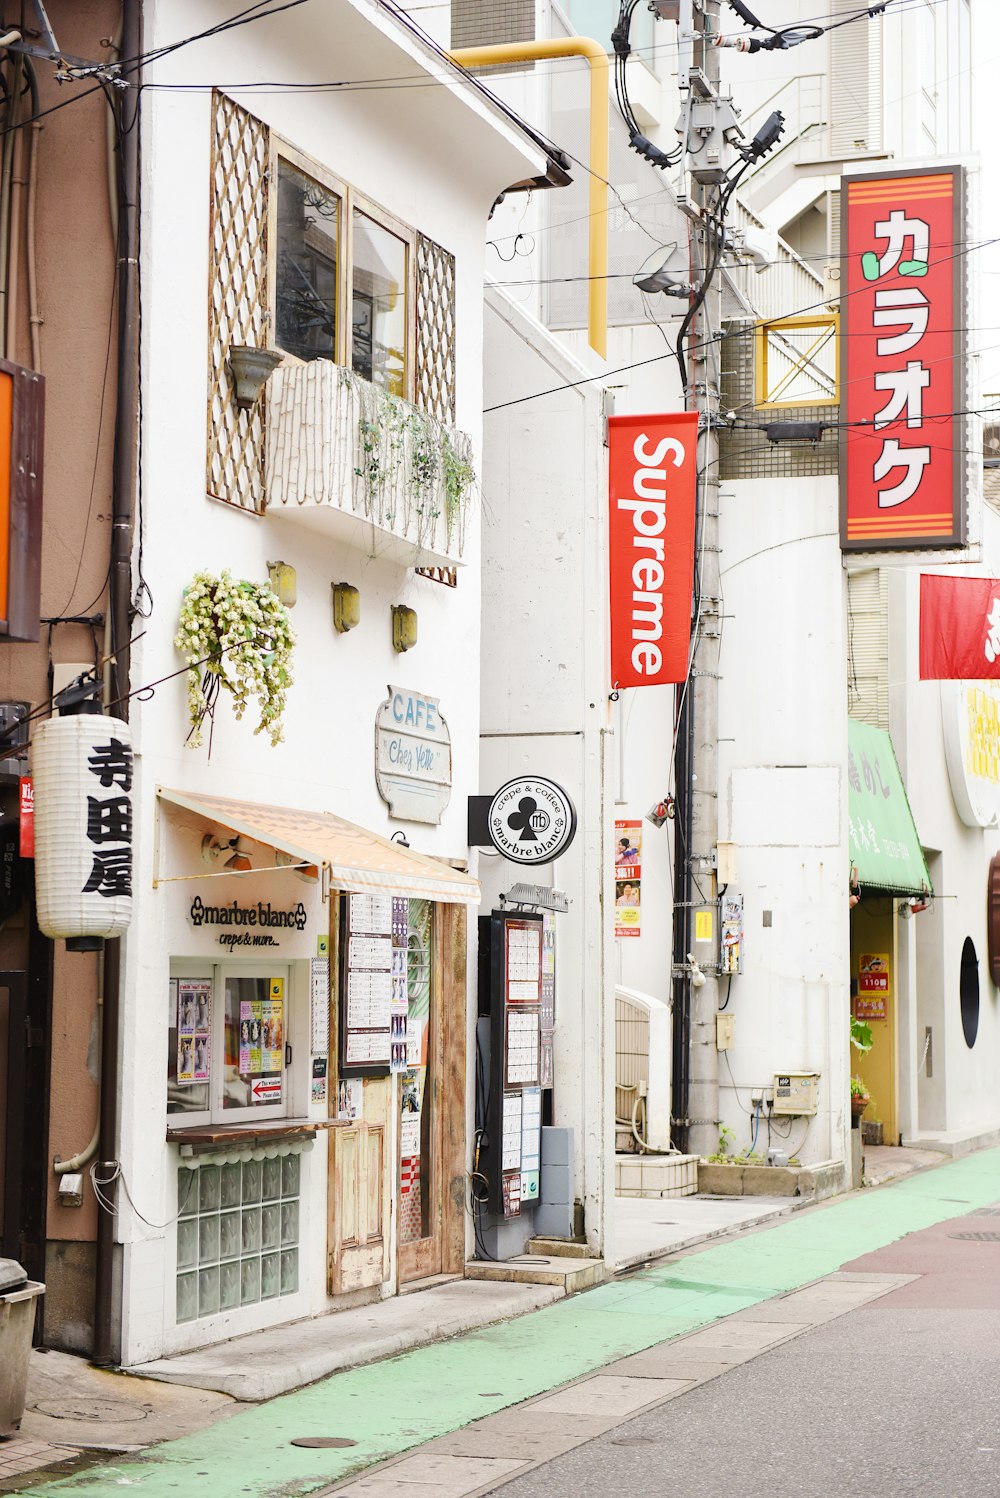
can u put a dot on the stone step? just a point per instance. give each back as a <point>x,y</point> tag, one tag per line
<point>570,1274</point>
<point>567,1248</point>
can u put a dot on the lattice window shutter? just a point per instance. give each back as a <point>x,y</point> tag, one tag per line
<point>238,310</point>
<point>868,647</point>
<point>855,85</point>
<point>435,382</point>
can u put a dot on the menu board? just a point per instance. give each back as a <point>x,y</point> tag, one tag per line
<point>373,1015</point>
<point>524,962</point>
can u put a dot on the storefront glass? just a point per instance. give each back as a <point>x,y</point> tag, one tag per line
<point>416,1155</point>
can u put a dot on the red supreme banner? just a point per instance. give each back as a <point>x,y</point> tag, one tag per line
<point>902,339</point>
<point>652,463</point>
<point>959,628</point>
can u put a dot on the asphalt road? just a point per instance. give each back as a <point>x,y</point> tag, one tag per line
<point>897,1399</point>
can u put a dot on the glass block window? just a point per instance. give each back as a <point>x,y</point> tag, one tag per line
<point>237,1234</point>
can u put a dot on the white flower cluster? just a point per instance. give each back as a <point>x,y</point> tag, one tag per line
<point>240,633</point>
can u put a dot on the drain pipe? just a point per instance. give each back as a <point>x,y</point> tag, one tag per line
<point>120,604</point>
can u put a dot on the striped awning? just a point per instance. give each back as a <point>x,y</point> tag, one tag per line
<point>358,861</point>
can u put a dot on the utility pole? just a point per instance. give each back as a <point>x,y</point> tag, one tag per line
<point>698,731</point>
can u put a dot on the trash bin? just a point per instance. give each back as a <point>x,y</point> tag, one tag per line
<point>17,1320</point>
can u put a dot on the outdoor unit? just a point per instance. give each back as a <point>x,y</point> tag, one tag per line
<point>795,1092</point>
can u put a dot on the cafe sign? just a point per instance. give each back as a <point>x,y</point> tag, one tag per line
<point>412,756</point>
<point>257,923</point>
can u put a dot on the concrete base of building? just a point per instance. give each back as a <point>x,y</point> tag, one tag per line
<point>656,1175</point>
<point>807,1182</point>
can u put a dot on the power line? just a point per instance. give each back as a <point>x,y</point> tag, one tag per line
<point>718,338</point>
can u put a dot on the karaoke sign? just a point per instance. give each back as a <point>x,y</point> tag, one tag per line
<point>902,360</point>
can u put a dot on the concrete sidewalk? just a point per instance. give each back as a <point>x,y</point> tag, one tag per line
<point>304,1442</point>
<point>74,1409</point>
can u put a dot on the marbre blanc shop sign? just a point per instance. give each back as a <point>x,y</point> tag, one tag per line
<point>256,924</point>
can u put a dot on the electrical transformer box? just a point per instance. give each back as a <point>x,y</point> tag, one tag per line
<point>795,1092</point>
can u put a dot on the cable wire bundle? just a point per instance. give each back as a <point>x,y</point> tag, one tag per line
<point>622,50</point>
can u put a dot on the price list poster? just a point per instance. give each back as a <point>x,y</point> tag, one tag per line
<point>366,993</point>
<point>522,1057</point>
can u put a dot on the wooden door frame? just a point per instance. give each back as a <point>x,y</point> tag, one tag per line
<point>443,1251</point>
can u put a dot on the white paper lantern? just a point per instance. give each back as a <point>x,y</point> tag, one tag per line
<point>82,772</point>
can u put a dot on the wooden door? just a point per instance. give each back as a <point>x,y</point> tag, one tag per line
<point>356,1236</point>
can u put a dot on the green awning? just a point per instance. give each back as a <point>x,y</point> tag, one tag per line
<point>885,847</point>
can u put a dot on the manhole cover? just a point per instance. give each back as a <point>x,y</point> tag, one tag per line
<point>635,1441</point>
<point>977,1237</point>
<point>323,1441</point>
<point>116,1411</point>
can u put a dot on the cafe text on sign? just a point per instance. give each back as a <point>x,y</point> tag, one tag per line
<point>652,480</point>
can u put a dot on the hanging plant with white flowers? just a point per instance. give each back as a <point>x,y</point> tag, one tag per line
<point>235,634</point>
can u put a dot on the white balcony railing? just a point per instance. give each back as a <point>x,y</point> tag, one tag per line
<point>347,458</point>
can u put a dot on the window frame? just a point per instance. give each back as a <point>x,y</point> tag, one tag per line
<point>351,201</point>
<point>218,972</point>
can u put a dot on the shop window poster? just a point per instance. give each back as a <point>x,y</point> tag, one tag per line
<point>194,1030</point>
<point>628,878</point>
<point>873,986</point>
<point>262,1040</point>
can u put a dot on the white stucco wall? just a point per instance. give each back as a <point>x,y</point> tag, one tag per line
<point>439,175</point>
<point>544,704</point>
<point>959,1100</point>
<point>783,799</point>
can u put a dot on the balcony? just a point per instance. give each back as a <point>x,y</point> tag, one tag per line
<point>356,463</point>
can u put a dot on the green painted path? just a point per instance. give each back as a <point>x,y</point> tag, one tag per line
<point>392,1406</point>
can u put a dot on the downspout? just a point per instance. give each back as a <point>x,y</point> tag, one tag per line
<point>120,600</point>
<point>574,46</point>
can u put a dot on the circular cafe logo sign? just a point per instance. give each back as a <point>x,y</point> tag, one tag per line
<point>531,820</point>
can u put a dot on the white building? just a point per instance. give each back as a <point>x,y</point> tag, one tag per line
<point>316,222</point>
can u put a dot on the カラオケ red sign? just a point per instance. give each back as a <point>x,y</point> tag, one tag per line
<point>652,463</point>
<point>901,366</point>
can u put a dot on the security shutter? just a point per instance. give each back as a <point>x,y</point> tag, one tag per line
<point>855,83</point>
<point>868,647</point>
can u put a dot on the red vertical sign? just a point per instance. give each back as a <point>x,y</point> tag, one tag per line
<point>902,357</point>
<point>652,464</point>
<point>27,817</point>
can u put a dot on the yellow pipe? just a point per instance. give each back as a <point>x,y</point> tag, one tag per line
<point>573,46</point>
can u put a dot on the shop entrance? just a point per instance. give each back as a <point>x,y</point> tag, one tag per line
<point>420,1237</point>
<point>873,988</point>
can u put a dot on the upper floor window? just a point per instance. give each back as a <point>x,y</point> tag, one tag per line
<point>378,305</point>
<point>342,274</point>
<point>308,257</point>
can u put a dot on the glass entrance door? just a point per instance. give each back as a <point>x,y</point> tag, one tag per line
<point>419,1234</point>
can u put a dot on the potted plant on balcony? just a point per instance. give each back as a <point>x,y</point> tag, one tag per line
<point>236,634</point>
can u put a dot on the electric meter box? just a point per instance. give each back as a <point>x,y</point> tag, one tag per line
<point>795,1092</point>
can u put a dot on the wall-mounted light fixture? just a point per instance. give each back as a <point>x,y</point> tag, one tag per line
<point>306,871</point>
<point>404,627</point>
<point>251,368</point>
<point>237,847</point>
<point>283,581</point>
<point>346,607</point>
